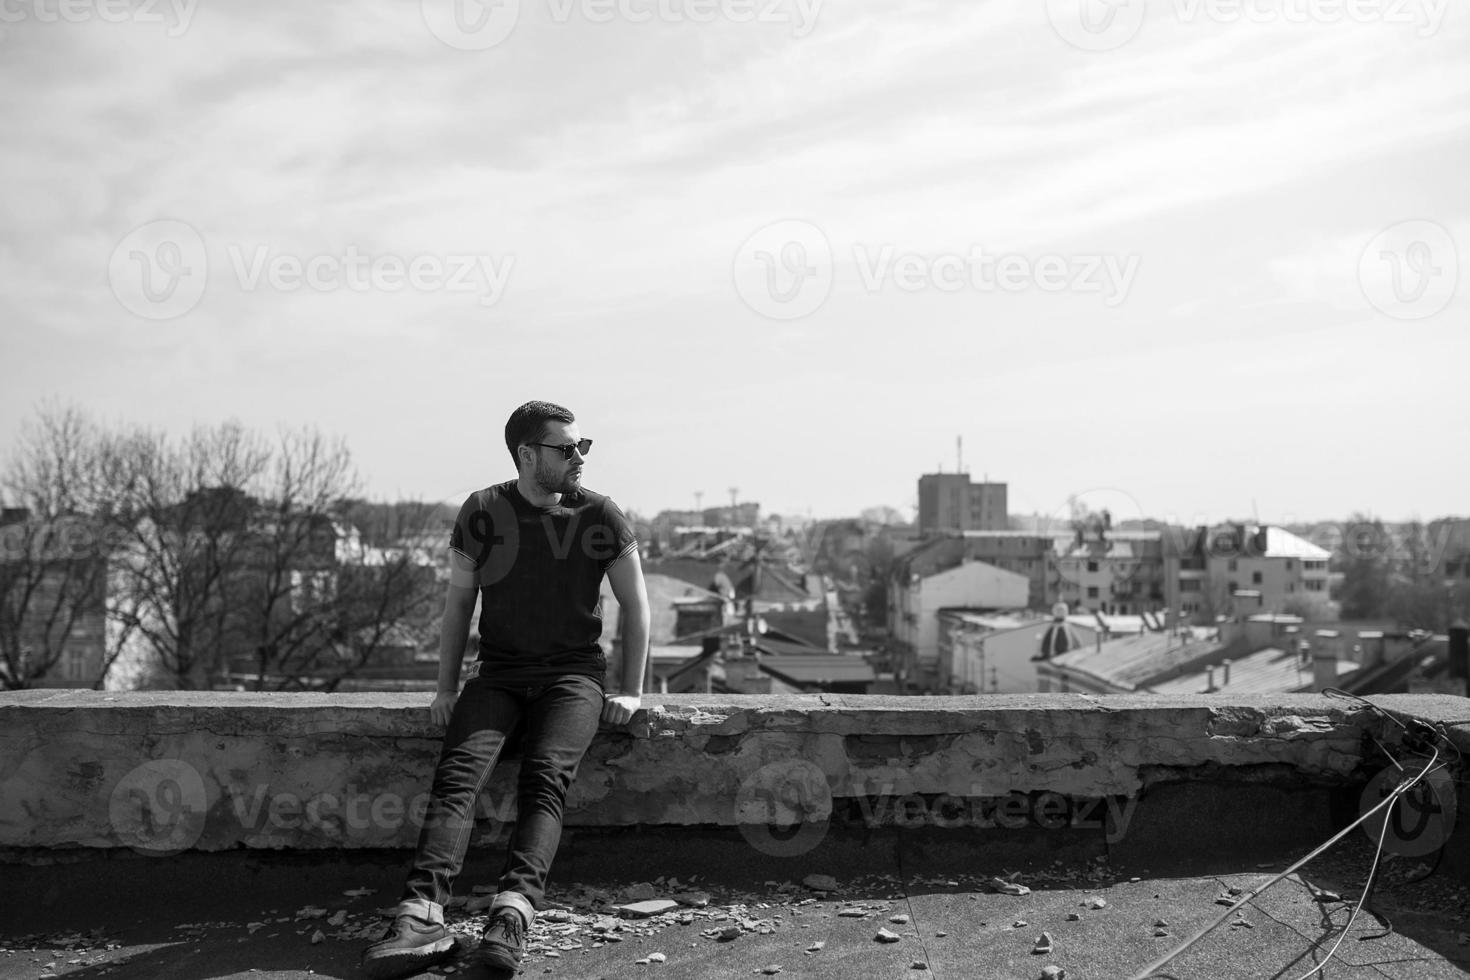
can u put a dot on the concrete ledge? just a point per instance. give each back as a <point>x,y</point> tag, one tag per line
<point>164,772</point>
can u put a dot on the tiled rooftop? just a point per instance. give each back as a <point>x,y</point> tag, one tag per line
<point>1266,671</point>
<point>1131,661</point>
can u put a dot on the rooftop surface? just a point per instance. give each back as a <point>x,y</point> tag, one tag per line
<point>264,916</point>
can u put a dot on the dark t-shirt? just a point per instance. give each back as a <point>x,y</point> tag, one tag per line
<point>539,571</point>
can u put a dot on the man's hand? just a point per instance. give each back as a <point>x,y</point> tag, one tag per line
<point>618,709</point>
<point>442,707</point>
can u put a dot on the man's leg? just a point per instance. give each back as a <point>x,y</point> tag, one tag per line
<point>561,719</point>
<point>483,718</point>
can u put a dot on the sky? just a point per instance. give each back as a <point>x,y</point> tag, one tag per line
<point>1201,259</point>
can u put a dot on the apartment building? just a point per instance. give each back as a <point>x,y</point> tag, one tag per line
<point>951,502</point>
<point>1221,561</point>
<point>937,576</point>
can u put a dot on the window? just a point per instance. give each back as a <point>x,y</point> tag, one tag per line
<point>1092,566</point>
<point>1255,578</point>
<point>1231,568</point>
<point>1189,585</point>
<point>1092,592</point>
<point>1290,564</point>
<point>1234,586</point>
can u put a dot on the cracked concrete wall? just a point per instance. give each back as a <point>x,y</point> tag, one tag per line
<point>168,771</point>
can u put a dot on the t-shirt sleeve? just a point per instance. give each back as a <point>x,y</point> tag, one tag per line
<point>465,553</point>
<point>624,540</point>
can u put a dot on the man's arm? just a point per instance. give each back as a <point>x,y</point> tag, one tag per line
<point>454,633</point>
<point>626,579</point>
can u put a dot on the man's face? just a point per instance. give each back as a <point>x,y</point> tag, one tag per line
<point>552,473</point>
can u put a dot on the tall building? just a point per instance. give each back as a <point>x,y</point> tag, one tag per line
<point>950,502</point>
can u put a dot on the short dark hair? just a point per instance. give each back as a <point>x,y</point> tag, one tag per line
<point>527,425</point>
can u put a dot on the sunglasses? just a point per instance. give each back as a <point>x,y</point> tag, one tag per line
<point>580,446</point>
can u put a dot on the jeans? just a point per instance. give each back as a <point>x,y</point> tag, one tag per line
<point>556,722</point>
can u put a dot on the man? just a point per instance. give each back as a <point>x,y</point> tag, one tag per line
<point>535,550</point>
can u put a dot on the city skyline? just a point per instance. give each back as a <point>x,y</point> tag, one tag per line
<point>1208,261</point>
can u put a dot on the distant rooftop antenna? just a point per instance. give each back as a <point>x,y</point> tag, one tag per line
<point>959,454</point>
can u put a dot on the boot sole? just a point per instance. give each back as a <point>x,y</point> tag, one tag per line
<point>401,962</point>
<point>498,959</point>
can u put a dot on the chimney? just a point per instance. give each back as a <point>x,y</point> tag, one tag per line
<point>1373,648</point>
<point>1460,651</point>
<point>1324,659</point>
<point>1225,667</point>
<point>1210,680</point>
<point>1248,602</point>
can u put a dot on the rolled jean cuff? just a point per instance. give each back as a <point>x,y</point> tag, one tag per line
<point>517,901</point>
<point>422,908</point>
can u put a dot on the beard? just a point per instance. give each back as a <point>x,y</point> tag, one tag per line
<point>551,479</point>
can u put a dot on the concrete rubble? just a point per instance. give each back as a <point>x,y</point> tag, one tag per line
<point>785,925</point>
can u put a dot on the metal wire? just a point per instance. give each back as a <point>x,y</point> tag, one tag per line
<point>1245,899</point>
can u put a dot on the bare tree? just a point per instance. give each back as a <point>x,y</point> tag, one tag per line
<point>52,553</point>
<point>191,562</point>
<point>186,517</point>
<point>322,599</point>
